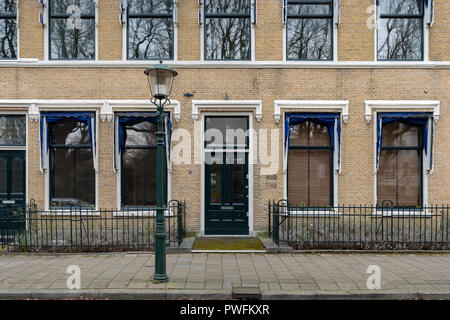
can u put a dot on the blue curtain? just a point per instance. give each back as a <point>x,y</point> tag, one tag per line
<point>52,117</point>
<point>130,118</point>
<point>330,120</point>
<point>421,119</point>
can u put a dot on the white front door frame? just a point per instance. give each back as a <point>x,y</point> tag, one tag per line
<point>250,169</point>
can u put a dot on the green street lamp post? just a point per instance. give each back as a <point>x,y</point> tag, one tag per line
<point>160,78</point>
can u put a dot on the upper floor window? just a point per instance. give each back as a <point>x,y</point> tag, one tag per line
<point>8,29</point>
<point>400,30</point>
<point>150,29</point>
<point>309,30</point>
<point>227,30</point>
<point>72,29</point>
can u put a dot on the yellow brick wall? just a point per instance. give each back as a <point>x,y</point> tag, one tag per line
<point>356,183</point>
<point>31,32</point>
<point>356,43</point>
<point>188,31</point>
<point>269,31</point>
<point>109,30</point>
<point>440,32</point>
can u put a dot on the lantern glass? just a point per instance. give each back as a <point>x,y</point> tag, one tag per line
<point>160,79</point>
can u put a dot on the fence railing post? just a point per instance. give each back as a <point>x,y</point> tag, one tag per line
<point>276,225</point>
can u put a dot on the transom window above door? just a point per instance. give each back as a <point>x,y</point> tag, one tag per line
<point>150,29</point>
<point>12,130</point>
<point>72,29</point>
<point>226,132</point>
<point>227,31</point>
<point>309,30</point>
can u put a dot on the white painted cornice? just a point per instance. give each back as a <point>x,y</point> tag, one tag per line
<point>226,104</point>
<point>36,63</point>
<point>107,107</point>
<point>395,105</point>
<point>339,105</point>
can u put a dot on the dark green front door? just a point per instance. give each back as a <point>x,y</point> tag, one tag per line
<point>226,193</point>
<point>12,189</point>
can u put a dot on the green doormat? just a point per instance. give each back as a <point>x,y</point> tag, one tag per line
<point>232,243</point>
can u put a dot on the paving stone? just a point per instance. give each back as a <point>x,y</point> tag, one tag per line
<point>285,273</point>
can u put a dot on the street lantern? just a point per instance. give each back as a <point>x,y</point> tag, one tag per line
<point>160,79</point>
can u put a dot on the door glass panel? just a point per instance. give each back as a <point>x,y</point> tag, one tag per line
<point>12,130</point>
<point>17,175</point>
<point>238,187</point>
<point>216,183</point>
<point>3,177</point>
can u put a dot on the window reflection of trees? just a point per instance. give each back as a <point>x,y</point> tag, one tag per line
<point>227,29</point>
<point>76,43</point>
<point>8,29</point>
<point>309,31</point>
<point>150,29</point>
<point>400,30</point>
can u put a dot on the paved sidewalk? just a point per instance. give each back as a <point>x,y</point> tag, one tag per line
<point>122,275</point>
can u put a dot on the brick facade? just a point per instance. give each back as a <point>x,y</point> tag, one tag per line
<point>248,81</point>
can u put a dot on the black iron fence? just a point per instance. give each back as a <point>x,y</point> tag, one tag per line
<point>76,229</point>
<point>359,227</point>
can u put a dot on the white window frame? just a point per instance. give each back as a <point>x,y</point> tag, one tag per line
<point>61,211</point>
<point>46,21</point>
<point>250,167</point>
<point>118,172</point>
<point>253,21</point>
<point>124,22</point>
<point>373,107</point>
<point>281,107</point>
<point>17,35</point>
<point>426,38</point>
<point>335,22</point>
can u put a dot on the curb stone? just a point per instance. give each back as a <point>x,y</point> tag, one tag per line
<point>146,294</point>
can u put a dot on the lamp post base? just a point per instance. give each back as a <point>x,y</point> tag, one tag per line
<point>160,278</point>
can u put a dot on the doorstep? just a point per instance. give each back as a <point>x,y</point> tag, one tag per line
<point>185,246</point>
